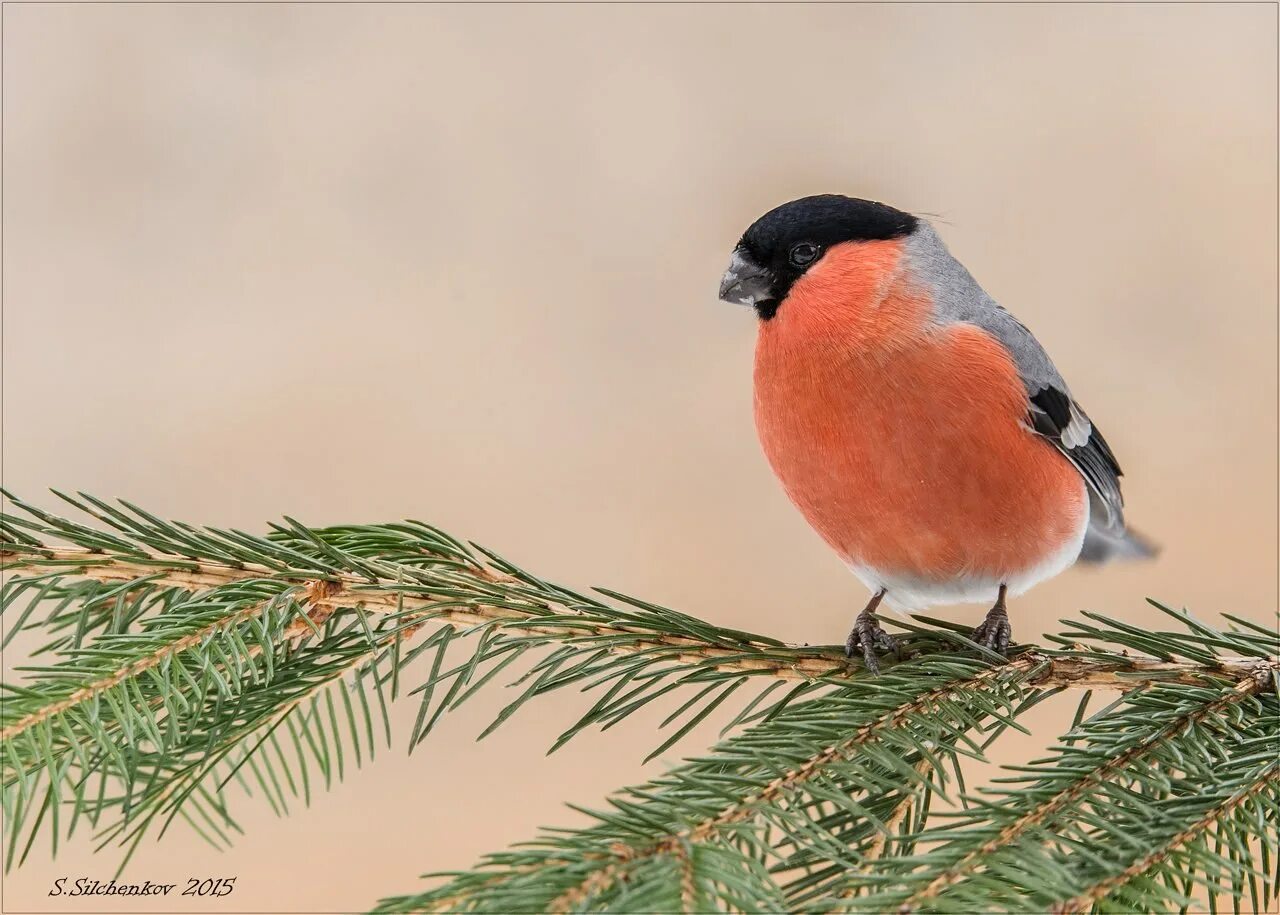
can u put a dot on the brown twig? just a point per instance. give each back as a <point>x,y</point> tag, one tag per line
<point>800,664</point>
<point>896,816</point>
<point>324,596</point>
<point>688,888</point>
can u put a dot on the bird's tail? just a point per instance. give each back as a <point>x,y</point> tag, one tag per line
<point>1103,546</point>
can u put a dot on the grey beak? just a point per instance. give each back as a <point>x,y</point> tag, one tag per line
<point>745,282</point>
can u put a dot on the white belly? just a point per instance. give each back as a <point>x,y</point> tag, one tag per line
<point>910,593</point>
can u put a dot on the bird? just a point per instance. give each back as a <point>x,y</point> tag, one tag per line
<point>919,427</point>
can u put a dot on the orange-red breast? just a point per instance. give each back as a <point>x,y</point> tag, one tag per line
<point>918,426</point>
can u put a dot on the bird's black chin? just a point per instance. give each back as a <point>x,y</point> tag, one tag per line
<point>767,308</point>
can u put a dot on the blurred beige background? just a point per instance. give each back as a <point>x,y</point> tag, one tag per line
<point>357,263</point>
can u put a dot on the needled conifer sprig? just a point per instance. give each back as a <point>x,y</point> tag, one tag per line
<point>1160,798</point>
<point>827,775</point>
<point>174,668</point>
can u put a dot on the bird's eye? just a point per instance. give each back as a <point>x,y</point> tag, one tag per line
<point>804,254</point>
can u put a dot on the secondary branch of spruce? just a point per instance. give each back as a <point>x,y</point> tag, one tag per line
<point>1079,788</point>
<point>1267,778</point>
<point>746,807</point>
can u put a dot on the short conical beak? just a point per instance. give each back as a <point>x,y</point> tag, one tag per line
<point>745,282</point>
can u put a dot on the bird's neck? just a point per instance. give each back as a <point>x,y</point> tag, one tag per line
<point>858,303</point>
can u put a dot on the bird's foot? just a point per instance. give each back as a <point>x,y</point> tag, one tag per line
<point>869,637</point>
<point>995,631</point>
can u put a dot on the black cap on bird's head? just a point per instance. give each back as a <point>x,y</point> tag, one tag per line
<point>785,242</point>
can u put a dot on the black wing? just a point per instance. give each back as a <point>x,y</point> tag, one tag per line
<point>1061,420</point>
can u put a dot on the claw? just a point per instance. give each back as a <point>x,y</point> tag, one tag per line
<point>994,634</point>
<point>868,637</point>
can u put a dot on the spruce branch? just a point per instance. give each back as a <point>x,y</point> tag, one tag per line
<point>784,784</point>
<point>1104,671</point>
<point>178,662</point>
<point>139,666</point>
<point>844,751</point>
<point>1079,786</point>
<point>1123,782</point>
<point>1266,779</point>
<point>1093,854</point>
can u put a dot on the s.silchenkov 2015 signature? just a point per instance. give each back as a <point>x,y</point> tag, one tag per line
<point>196,886</point>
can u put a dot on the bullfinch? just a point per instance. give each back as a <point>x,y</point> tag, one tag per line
<point>920,428</point>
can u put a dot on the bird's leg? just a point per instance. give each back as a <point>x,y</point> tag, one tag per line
<point>868,636</point>
<point>995,630</point>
